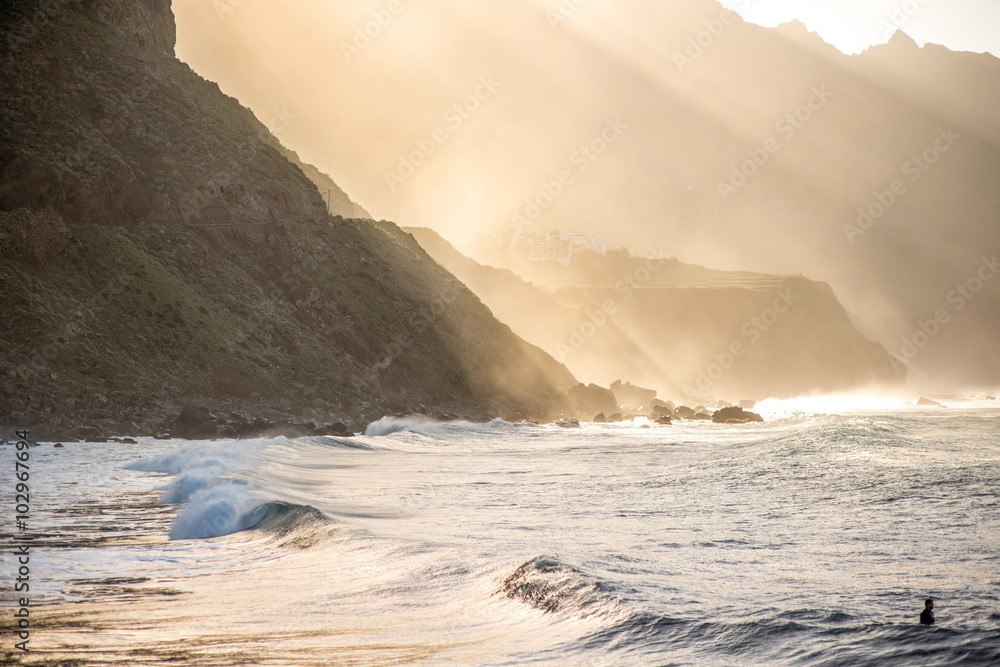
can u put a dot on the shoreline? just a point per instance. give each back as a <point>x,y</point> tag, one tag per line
<point>214,418</point>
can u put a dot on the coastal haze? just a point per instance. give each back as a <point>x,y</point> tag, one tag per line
<point>677,128</point>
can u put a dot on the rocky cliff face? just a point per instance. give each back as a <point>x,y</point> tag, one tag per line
<point>146,23</point>
<point>107,131</point>
<point>160,252</point>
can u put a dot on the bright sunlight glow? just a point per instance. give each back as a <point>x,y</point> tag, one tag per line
<point>854,25</point>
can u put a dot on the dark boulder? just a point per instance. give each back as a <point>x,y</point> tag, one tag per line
<point>684,412</point>
<point>337,429</point>
<point>195,423</point>
<point>659,408</point>
<point>735,416</point>
<point>87,434</point>
<point>591,399</point>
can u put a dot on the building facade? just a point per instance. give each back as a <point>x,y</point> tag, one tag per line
<point>552,246</point>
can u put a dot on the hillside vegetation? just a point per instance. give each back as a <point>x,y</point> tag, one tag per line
<point>160,253</point>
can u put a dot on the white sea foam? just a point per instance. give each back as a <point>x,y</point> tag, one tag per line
<point>201,455</point>
<point>415,424</point>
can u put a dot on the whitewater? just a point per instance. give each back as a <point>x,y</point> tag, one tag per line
<point>811,539</point>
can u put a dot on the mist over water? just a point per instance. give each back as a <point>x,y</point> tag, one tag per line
<point>738,147</point>
<point>809,540</point>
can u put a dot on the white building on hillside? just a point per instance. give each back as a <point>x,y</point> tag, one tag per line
<point>553,246</point>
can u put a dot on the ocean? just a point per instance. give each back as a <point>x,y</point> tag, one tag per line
<point>812,539</point>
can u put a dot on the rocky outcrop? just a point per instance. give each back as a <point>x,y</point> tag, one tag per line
<point>658,409</point>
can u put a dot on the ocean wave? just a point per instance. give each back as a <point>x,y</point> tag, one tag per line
<point>190,482</point>
<point>342,443</point>
<point>803,636</point>
<point>820,432</point>
<point>422,426</point>
<point>212,504</point>
<point>230,507</point>
<point>283,518</point>
<point>225,507</point>
<point>547,584</point>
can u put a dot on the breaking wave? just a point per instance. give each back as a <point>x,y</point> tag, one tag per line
<point>214,502</point>
<point>547,584</point>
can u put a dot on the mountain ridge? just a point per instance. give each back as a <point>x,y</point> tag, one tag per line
<point>165,264</point>
<point>690,333</point>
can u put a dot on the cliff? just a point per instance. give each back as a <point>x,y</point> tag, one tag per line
<point>690,332</point>
<point>159,252</point>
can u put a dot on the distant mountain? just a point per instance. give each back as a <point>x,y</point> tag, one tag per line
<point>739,147</point>
<point>690,333</point>
<point>159,251</point>
<point>552,322</point>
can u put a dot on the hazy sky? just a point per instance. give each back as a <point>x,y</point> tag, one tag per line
<point>854,25</point>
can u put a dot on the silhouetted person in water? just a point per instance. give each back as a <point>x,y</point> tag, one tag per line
<point>927,615</point>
